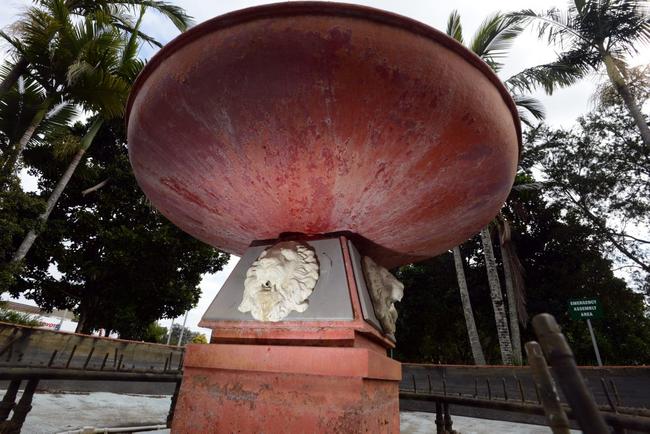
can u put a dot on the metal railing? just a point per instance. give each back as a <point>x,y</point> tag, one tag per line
<point>31,355</point>
<point>530,392</point>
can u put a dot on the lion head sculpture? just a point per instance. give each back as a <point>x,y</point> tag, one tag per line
<point>385,290</point>
<point>280,281</point>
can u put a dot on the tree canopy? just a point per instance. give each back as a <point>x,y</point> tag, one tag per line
<point>123,264</point>
<point>563,260</point>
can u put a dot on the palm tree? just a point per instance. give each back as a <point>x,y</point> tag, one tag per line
<point>513,277</point>
<point>54,66</point>
<point>491,42</point>
<point>637,79</point>
<point>45,27</point>
<point>503,332</point>
<point>474,341</point>
<point>35,30</point>
<point>105,75</point>
<point>594,34</point>
<point>23,119</point>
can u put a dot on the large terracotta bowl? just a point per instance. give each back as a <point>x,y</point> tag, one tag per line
<point>323,117</point>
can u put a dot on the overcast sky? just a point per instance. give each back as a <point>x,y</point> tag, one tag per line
<point>562,108</point>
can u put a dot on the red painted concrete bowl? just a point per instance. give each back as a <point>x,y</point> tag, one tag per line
<point>323,117</point>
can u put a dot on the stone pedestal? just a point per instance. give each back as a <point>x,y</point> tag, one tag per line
<point>324,370</point>
<point>287,389</point>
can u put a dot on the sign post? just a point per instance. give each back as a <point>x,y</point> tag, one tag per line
<point>587,309</point>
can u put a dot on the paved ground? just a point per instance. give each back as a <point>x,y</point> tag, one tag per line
<point>423,423</point>
<point>60,412</point>
<point>57,412</point>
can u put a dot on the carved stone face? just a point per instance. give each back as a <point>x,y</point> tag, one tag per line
<point>385,290</point>
<point>280,281</point>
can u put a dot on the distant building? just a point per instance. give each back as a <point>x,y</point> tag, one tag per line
<point>62,320</point>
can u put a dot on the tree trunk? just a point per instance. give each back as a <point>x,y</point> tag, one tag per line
<point>9,164</point>
<point>623,90</point>
<point>29,239</point>
<point>58,190</point>
<point>474,341</point>
<point>16,71</point>
<point>512,305</point>
<point>497,299</point>
<point>82,325</point>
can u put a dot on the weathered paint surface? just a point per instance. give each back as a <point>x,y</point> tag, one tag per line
<point>286,119</point>
<point>260,389</point>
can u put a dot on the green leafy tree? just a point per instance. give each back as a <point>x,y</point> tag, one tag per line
<point>123,264</point>
<point>199,339</point>
<point>600,171</point>
<point>563,259</point>
<point>189,337</point>
<point>596,34</point>
<point>154,333</point>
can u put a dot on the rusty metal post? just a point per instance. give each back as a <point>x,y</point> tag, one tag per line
<point>15,425</point>
<point>9,400</point>
<point>555,416</point>
<point>440,424</point>
<point>448,422</point>
<point>561,358</point>
<point>170,415</point>
<point>617,428</point>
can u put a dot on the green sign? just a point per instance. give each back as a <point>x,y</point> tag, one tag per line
<point>585,309</point>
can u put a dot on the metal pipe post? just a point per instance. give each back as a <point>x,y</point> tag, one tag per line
<point>180,338</point>
<point>169,335</point>
<point>561,358</point>
<point>593,341</point>
<point>555,416</point>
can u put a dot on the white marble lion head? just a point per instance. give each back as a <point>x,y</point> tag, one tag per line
<point>385,290</point>
<point>280,281</point>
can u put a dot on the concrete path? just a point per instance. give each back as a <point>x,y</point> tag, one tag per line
<point>60,412</point>
<point>424,423</point>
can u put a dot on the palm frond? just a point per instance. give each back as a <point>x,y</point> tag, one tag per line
<point>454,27</point>
<point>18,107</point>
<point>175,14</point>
<point>528,106</point>
<point>101,92</point>
<point>14,42</point>
<point>130,50</point>
<point>549,77</point>
<point>148,39</point>
<point>56,125</point>
<point>494,38</point>
<point>557,26</point>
